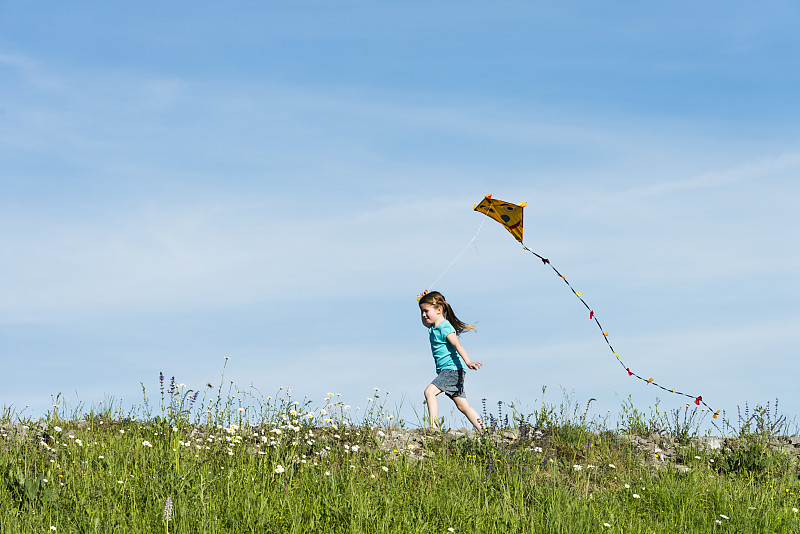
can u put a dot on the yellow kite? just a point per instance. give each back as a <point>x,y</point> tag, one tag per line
<point>510,216</point>
<point>506,213</point>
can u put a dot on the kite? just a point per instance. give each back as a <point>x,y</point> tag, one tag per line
<point>511,216</point>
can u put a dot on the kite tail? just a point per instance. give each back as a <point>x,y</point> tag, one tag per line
<point>697,399</point>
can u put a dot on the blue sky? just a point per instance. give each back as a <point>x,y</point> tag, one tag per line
<point>275,182</point>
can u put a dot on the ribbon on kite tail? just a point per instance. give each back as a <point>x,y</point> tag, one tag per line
<point>511,217</point>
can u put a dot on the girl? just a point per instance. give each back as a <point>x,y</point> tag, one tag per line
<point>444,328</point>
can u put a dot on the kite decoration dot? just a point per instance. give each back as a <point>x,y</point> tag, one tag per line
<point>511,217</point>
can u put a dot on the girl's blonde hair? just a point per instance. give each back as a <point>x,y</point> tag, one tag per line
<point>434,298</point>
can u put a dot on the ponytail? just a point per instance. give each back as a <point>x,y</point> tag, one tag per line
<point>434,298</point>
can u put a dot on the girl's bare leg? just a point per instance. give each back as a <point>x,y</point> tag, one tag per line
<point>469,411</point>
<point>433,406</point>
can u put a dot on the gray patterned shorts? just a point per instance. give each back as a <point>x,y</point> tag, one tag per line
<point>451,382</point>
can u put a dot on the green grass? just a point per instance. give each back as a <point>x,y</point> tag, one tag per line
<point>107,471</point>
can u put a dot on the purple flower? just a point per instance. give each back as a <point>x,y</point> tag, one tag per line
<point>168,509</point>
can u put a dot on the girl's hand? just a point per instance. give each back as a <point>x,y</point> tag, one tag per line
<point>474,365</point>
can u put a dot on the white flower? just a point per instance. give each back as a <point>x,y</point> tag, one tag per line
<point>57,428</point>
<point>627,485</point>
<point>451,529</point>
<point>577,467</point>
<point>327,473</point>
<point>723,516</point>
<point>612,466</point>
<point>52,527</point>
<point>697,458</point>
<point>279,469</point>
<point>794,510</point>
<point>607,525</point>
<point>636,496</point>
<point>385,468</point>
<point>380,434</point>
<point>147,443</point>
<point>717,521</point>
<point>355,448</point>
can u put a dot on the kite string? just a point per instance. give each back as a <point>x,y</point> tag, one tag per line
<point>471,241</point>
<point>593,316</point>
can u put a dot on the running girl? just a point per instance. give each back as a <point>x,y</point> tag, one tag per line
<point>444,328</point>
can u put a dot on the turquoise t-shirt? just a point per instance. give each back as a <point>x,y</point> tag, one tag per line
<point>445,354</point>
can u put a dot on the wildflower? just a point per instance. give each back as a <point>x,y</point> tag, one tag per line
<point>79,443</point>
<point>279,469</point>
<point>612,466</point>
<point>627,485</point>
<point>607,525</point>
<point>52,527</point>
<point>380,434</point>
<point>101,456</point>
<point>577,467</point>
<point>57,428</point>
<point>168,509</point>
<point>355,448</point>
<point>717,521</point>
<point>385,468</point>
<point>636,496</point>
<point>121,430</point>
<point>723,516</point>
<point>451,529</point>
<point>327,473</point>
<point>794,510</point>
<point>347,407</point>
<point>537,449</point>
<point>147,444</point>
<point>697,458</point>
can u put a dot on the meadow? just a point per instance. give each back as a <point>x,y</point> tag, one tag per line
<point>190,462</point>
